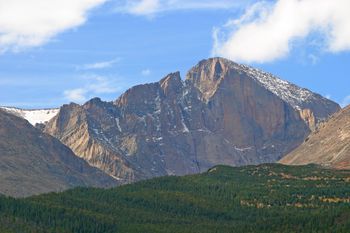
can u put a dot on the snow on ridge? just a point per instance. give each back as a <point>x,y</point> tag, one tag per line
<point>34,116</point>
<point>295,96</point>
<point>289,92</point>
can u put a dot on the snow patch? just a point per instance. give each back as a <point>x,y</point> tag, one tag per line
<point>290,93</point>
<point>115,177</point>
<point>35,116</point>
<point>184,126</point>
<point>243,149</point>
<point>158,111</point>
<point>118,124</point>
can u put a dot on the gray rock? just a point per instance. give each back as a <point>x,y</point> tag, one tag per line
<point>32,162</point>
<point>223,113</point>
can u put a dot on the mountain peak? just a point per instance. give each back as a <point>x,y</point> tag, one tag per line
<point>208,74</point>
<point>224,113</point>
<point>173,77</point>
<point>171,83</point>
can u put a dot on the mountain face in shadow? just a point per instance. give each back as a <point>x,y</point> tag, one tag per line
<point>32,162</point>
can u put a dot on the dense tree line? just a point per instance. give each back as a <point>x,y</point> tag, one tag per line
<point>265,198</point>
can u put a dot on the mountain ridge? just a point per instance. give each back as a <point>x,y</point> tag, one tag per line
<point>219,114</point>
<point>34,116</point>
<point>299,98</point>
<point>329,145</point>
<point>32,162</point>
<point>294,95</point>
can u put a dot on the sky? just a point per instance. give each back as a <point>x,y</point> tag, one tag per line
<point>59,51</point>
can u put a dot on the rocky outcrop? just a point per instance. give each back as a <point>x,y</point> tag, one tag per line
<point>32,162</point>
<point>223,113</point>
<point>328,145</point>
<point>308,117</point>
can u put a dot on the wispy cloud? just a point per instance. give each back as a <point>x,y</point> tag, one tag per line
<point>345,102</point>
<point>94,86</point>
<point>146,72</point>
<point>266,31</point>
<point>152,7</point>
<point>314,58</point>
<point>76,95</point>
<point>34,22</point>
<point>99,65</point>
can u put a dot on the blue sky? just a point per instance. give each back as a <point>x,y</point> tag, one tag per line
<point>80,49</point>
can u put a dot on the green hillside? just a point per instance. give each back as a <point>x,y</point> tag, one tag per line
<point>264,198</point>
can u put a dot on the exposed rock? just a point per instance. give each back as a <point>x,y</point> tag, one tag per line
<point>308,116</point>
<point>223,113</point>
<point>32,162</point>
<point>329,145</point>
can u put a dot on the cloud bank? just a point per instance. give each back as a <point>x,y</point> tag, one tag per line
<point>27,23</point>
<point>266,31</point>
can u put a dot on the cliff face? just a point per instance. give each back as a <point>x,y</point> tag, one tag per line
<point>328,145</point>
<point>223,113</point>
<point>32,162</point>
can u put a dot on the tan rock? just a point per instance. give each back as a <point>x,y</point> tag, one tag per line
<point>32,162</point>
<point>223,113</point>
<point>329,145</point>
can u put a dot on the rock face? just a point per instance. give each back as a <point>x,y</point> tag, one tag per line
<point>223,113</point>
<point>329,145</point>
<point>32,162</point>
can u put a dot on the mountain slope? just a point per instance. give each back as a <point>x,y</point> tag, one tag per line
<point>34,116</point>
<point>297,97</point>
<point>329,145</point>
<point>267,198</point>
<point>32,162</point>
<point>221,114</point>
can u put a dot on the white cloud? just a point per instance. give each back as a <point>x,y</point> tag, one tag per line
<point>145,7</point>
<point>146,72</point>
<point>267,31</point>
<point>94,86</point>
<point>102,85</point>
<point>76,95</point>
<point>345,102</point>
<point>99,65</point>
<point>152,7</point>
<point>313,58</point>
<point>27,23</point>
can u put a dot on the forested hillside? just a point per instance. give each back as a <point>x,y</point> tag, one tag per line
<point>264,198</point>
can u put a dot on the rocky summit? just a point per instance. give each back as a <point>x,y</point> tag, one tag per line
<point>329,145</point>
<point>223,113</point>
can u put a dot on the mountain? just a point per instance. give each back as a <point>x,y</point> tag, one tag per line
<point>329,145</point>
<point>223,113</point>
<point>268,198</point>
<point>34,116</point>
<point>32,162</point>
